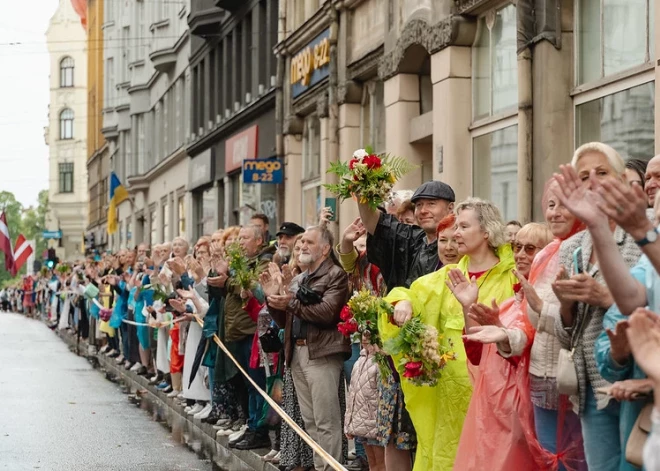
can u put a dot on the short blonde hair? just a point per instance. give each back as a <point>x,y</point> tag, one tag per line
<point>490,219</point>
<point>538,232</point>
<point>230,231</point>
<point>613,157</point>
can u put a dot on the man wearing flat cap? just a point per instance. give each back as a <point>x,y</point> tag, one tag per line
<point>405,252</point>
<point>286,240</point>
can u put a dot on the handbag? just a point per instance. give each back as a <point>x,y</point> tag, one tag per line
<point>638,436</point>
<point>270,340</point>
<point>275,390</point>
<point>567,379</point>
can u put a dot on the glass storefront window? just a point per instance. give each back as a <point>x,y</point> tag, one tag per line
<point>311,205</point>
<point>208,206</point>
<point>495,63</point>
<point>624,120</point>
<point>495,164</point>
<point>613,36</point>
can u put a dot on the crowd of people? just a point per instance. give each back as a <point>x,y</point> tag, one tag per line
<point>553,325</point>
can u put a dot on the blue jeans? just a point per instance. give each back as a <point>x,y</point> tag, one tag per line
<point>602,439</point>
<point>348,369</point>
<point>545,421</point>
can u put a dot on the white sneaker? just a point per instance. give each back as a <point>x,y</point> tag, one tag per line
<point>174,393</point>
<point>237,435</point>
<point>104,348</point>
<point>270,455</point>
<point>196,408</point>
<point>222,424</point>
<point>120,359</point>
<point>110,352</point>
<point>136,366</point>
<point>351,454</point>
<point>204,413</point>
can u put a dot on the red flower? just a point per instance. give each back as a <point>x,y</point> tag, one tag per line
<point>517,287</point>
<point>372,162</point>
<point>347,328</point>
<point>352,162</point>
<point>345,314</point>
<point>413,369</point>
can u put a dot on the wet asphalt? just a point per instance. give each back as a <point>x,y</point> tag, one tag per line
<point>58,413</point>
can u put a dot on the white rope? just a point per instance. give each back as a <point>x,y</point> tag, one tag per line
<point>307,439</point>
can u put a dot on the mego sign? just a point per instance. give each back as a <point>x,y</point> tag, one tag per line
<point>310,65</point>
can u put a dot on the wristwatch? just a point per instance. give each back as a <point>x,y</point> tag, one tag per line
<point>650,237</point>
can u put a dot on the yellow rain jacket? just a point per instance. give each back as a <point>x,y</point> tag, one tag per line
<point>438,412</point>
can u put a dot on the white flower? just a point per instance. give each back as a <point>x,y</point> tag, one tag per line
<point>360,154</point>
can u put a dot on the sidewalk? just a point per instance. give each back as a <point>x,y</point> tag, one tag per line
<point>199,437</point>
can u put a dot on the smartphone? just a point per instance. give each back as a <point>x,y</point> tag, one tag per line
<point>578,266</point>
<point>332,204</point>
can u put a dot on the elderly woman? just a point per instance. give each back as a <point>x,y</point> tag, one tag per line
<point>584,298</point>
<point>501,385</point>
<point>438,412</point>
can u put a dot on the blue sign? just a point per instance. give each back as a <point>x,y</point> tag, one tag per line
<point>263,171</point>
<point>310,65</point>
<point>52,234</point>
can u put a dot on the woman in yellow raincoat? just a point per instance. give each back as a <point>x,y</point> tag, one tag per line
<point>438,412</point>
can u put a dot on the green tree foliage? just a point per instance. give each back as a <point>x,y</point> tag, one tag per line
<point>30,222</point>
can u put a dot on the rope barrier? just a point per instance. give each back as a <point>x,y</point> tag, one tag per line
<point>334,464</point>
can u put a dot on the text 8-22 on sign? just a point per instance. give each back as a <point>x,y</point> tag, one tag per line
<point>263,171</point>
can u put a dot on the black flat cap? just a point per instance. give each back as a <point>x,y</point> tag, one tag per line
<point>434,190</point>
<point>290,229</point>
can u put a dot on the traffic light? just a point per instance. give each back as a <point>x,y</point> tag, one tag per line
<point>90,241</point>
<point>52,259</point>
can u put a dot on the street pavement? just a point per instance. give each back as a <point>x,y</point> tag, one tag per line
<point>58,413</point>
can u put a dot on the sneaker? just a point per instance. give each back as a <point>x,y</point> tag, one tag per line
<point>120,359</point>
<point>253,441</point>
<point>196,408</point>
<point>212,419</point>
<point>351,454</point>
<point>128,365</point>
<point>104,348</point>
<point>174,393</point>
<point>163,385</point>
<point>168,389</point>
<point>113,354</point>
<point>228,430</point>
<point>358,464</point>
<point>136,367</point>
<point>240,436</point>
<point>222,423</point>
<point>143,371</point>
<point>268,457</point>
<point>204,413</point>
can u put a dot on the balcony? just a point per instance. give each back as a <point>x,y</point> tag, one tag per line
<point>167,39</point>
<point>205,18</point>
<point>230,5</point>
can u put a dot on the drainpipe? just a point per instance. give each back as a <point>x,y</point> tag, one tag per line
<point>333,105</point>
<point>279,101</point>
<point>525,135</point>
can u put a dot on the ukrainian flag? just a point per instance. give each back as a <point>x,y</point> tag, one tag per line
<point>117,194</point>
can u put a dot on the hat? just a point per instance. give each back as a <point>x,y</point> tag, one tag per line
<point>290,229</point>
<point>434,190</point>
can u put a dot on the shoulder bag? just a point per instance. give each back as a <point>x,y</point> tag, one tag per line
<point>567,379</point>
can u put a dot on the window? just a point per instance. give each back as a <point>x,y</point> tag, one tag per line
<point>495,96</point>
<point>66,177</point>
<point>165,207</point>
<point>495,64</point>
<point>205,203</point>
<point>372,116</point>
<point>129,234</point>
<point>613,36</point>
<point>495,171</point>
<point>66,72</point>
<point>66,124</point>
<point>624,120</point>
<point>141,157</point>
<point>181,211</point>
<point>110,80</point>
<point>311,177</point>
<point>152,226</point>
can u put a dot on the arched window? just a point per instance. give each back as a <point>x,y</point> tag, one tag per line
<point>66,124</point>
<point>66,72</point>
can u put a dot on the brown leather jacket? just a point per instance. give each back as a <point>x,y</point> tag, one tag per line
<point>323,338</point>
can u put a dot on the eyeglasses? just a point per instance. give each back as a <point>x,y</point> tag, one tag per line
<point>529,248</point>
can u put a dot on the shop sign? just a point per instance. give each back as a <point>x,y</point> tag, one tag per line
<point>51,234</point>
<point>240,147</point>
<point>263,171</point>
<point>201,170</point>
<point>311,65</point>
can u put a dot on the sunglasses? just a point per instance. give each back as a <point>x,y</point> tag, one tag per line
<point>529,248</point>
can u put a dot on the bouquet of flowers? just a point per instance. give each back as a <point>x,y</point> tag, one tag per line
<point>159,293</point>
<point>368,176</point>
<point>239,266</point>
<point>360,316</point>
<point>62,269</point>
<point>423,358</point>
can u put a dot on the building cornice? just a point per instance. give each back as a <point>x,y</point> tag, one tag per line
<point>97,153</point>
<point>366,66</point>
<point>305,32</point>
<point>455,30</point>
<point>138,183</point>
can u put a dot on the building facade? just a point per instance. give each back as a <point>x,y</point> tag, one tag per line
<point>66,135</point>
<point>145,117</point>
<point>233,74</point>
<point>98,162</point>
<point>489,96</point>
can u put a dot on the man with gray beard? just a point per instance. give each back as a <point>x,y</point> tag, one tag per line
<point>286,241</point>
<point>313,347</point>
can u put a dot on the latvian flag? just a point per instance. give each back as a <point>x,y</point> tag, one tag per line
<point>22,250</point>
<point>5,243</point>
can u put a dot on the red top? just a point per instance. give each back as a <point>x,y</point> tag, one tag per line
<point>474,349</point>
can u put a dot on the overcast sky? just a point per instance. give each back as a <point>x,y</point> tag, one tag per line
<point>24,94</point>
